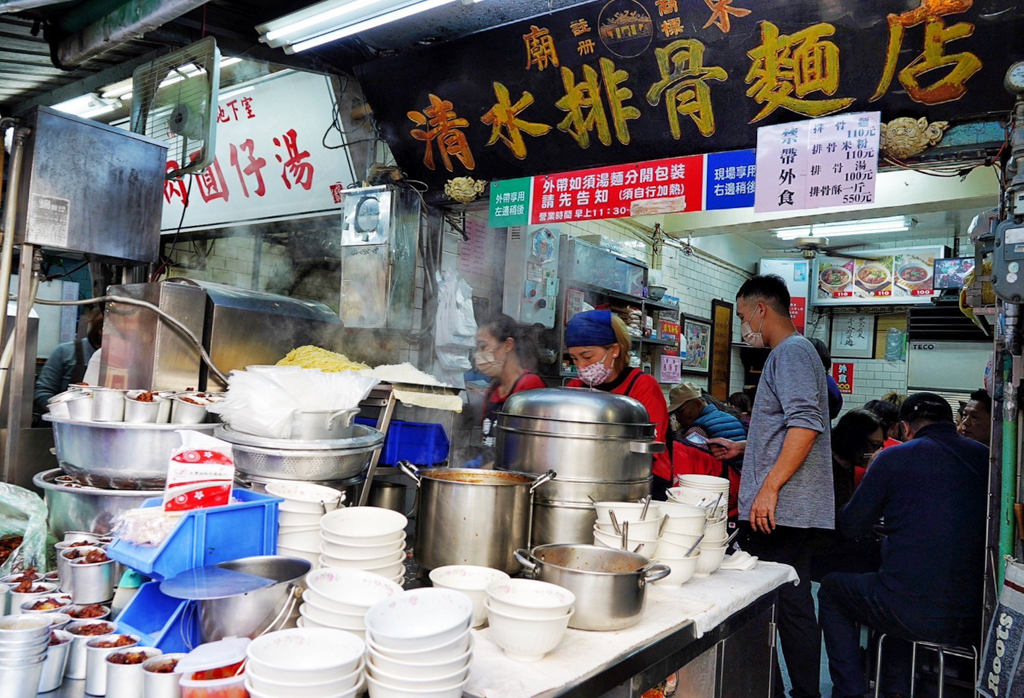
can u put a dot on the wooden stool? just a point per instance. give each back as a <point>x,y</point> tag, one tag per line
<point>969,652</point>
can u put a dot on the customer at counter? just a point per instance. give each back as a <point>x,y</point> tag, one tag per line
<point>931,493</point>
<point>67,364</point>
<point>689,413</point>
<point>502,356</point>
<point>599,346</point>
<point>786,490</point>
<point>977,418</point>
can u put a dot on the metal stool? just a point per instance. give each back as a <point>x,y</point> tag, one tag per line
<point>969,652</point>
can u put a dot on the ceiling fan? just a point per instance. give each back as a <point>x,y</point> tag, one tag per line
<point>810,247</point>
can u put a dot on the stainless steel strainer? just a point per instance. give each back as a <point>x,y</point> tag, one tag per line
<point>286,459</point>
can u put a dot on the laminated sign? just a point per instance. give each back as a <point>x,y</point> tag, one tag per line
<point>1001,669</point>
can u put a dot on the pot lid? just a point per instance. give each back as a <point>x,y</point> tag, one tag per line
<point>576,405</point>
<point>214,655</point>
<point>205,583</point>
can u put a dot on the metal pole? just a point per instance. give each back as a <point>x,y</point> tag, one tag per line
<point>1009,465</point>
<point>26,269</point>
<point>11,215</point>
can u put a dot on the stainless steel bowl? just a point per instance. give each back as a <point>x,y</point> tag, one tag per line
<point>74,507</point>
<point>117,454</point>
<point>287,459</point>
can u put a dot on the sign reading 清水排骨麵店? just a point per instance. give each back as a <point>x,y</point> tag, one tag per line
<point>819,163</point>
<point>618,81</point>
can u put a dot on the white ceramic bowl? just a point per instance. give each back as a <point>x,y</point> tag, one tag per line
<point>305,622</point>
<point>327,619</point>
<point>295,684</point>
<point>350,693</point>
<point>404,667</point>
<point>694,497</point>
<point>420,618</point>
<point>682,539</point>
<point>353,542</point>
<point>615,541</point>
<point>449,680</point>
<point>350,591</point>
<point>379,689</point>
<point>390,572</point>
<point>314,599</point>
<point>291,518</point>
<point>717,530</point>
<point>306,539</point>
<point>472,581</point>
<point>688,526</point>
<point>315,654</point>
<point>385,560</point>
<point>344,551</point>
<point>637,529</point>
<point>312,558</point>
<point>710,543</point>
<point>682,569</point>
<point>530,598</point>
<point>526,640</point>
<point>438,653</point>
<point>667,548</point>
<point>368,525</point>
<point>678,510</point>
<point>705,482</point>
<point>305,497</point>
<point>709,560</point>
<point>626,511</point>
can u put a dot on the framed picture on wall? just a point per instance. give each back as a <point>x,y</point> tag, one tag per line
<point>721,348</point>
<point>696,337</point>
<point>853,337</point>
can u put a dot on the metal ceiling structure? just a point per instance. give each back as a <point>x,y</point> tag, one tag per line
<point>33,41</point>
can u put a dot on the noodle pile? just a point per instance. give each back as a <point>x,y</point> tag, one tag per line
<point>310,356</point>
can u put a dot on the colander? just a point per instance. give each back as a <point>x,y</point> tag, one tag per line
<point>288,459</point>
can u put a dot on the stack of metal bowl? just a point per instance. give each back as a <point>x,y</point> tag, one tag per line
<point>600,444</point>
<point>24,640</point>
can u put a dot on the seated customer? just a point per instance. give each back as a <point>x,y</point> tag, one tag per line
<point>689,412</point>
<point>931,493</point>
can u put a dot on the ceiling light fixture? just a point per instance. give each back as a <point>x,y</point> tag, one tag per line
<point>331,20</point>
<point>892,224</point>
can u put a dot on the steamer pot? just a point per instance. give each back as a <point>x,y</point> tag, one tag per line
<point>73,507</point>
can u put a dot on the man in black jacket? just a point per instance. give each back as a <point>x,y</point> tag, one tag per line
<point>930,492</point>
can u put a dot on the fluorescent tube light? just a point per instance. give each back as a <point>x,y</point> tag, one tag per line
<point>330,11</point>
<point>892,224</point>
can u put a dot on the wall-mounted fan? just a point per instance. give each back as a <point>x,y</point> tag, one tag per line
<point>174,100</point>
<point>812,247</point>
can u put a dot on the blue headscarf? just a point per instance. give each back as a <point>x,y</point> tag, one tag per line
<point>591,328</point>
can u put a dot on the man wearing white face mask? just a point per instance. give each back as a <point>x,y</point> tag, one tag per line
<point>599,345</point>
<point>786,487</point>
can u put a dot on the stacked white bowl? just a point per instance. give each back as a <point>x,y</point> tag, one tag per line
<point>711,493</point>
<point>308,662</point>
<point>299,515</point>
<point>471,581</point>
<point>419,644</point>
<point>642,534</point>
<point>364,538</point>
<point>684,526</point>
<point>527,617</point>
<point>339,599</point>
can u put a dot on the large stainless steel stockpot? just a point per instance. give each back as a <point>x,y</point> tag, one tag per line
<point>610,585</point>
<point>472,517</point>
<point>73,507</point>
<point>588,435</point>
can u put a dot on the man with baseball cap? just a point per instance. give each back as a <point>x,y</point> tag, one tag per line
<point>931,493</point>
<point>689,412</point>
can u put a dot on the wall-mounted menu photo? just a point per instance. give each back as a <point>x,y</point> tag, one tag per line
<point>902,275</point>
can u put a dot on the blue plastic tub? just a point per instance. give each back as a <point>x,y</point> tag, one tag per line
<point>161,621</point>
<point>420,444</point>
<point>206,537</point>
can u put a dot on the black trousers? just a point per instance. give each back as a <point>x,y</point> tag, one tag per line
<point>799,631</point>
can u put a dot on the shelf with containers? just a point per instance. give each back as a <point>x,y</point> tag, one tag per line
<point>592,276</point>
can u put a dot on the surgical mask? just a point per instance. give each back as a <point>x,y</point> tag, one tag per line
<point>487,364</point>
<point>752,338</point>
<point>596,373</point>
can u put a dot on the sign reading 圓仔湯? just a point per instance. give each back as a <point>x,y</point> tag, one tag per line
<point>620,81</point>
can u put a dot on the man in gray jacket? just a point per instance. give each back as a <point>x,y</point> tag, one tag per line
<point>786,488</point>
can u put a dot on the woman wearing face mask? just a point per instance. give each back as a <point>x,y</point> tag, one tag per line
<point>599,345</point>
<point>500,356</point>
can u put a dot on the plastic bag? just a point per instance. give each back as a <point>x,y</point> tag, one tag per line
<point>894,344</point>
<point>455,324</point>
<point>23,513</point>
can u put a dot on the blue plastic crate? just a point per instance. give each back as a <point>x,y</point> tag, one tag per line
<point>161,621</point>
<point>420,444</point>
<point>206,537</point>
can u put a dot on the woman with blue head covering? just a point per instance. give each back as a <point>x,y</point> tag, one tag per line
<point>599,346</point>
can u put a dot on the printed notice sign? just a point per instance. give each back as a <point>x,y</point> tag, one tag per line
<point>48,218</point>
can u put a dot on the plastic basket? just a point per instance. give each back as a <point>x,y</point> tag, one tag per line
<point>206,537</point>
<point>420,444</point>
<point>160,620</point>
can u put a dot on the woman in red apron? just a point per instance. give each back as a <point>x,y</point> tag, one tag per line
<point>599,345</point>
<point>503,357</point>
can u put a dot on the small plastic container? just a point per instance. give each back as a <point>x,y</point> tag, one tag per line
<point>206,537</point>
<point>214,670</point>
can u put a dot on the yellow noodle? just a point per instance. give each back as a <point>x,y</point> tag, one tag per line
<point>310,356</point>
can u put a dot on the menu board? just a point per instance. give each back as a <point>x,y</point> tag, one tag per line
<point>896,276</point>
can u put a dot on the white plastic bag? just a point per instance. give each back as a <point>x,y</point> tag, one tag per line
<point>455,324</point>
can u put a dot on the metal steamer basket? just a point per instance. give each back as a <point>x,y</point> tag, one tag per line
<point>117,455</point>
<point>601,444</point>
<point>289,459</point>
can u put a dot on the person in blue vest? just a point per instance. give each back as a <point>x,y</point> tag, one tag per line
<point>690,413</point>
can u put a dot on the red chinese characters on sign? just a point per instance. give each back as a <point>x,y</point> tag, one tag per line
<point>296,169</point>
<point>798,313</point>
<point>843,375</point>
<point>674,185</point>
